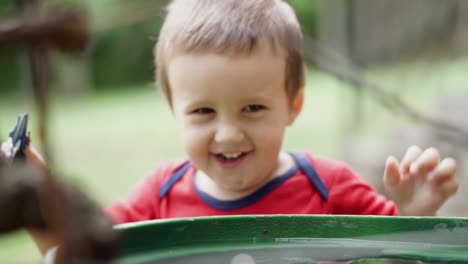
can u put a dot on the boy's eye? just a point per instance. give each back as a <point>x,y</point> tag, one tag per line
<point>253,108</point>
<point>203,111</point>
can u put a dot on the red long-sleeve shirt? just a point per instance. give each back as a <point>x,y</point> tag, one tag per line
<point>290,193</point>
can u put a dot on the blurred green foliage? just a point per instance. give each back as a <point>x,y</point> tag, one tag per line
<point>6,7</point>
<point>306,11</point>
<point>8,71</point>
<point>124,56</point>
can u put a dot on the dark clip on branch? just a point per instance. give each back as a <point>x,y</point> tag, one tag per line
<point>19,138</point>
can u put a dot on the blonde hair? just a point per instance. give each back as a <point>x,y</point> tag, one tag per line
<point>230,27</point>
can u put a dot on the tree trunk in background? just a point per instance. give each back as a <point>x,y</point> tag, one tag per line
<point>460,38</point>
<point>332,25</point>
<point>335,31</point>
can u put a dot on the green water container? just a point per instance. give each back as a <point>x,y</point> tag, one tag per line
<point>296,239</point>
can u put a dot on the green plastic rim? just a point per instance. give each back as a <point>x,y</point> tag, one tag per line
<point>304,237</point>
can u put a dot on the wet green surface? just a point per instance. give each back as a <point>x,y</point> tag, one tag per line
<point>296,239</point>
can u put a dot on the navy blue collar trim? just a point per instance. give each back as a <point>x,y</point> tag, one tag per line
<point>173,179</point>
<point>311,173</point>
<point>251,198</point>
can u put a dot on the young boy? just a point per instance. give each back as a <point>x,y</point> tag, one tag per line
<point>233,75</point>
<point>232,72</point>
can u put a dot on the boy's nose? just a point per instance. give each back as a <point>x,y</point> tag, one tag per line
<point>228,133</point>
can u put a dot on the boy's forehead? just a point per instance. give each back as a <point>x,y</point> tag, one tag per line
<point>206,72</point>
<point>261,61</point>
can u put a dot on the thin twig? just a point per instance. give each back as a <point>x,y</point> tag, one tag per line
<point>332,63</point>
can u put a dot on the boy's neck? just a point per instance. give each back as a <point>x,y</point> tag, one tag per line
<point>207,185</point>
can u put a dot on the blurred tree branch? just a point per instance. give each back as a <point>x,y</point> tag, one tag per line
<point>63,28</point>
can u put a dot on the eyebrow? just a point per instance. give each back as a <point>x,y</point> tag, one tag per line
<point>196,103</point>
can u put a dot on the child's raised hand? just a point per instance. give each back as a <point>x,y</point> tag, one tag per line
<point>422,182</point>
<point>32,155</point>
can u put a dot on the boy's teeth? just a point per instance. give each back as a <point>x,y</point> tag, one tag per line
<point>231,155</point>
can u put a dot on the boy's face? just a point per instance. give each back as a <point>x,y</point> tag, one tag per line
<point>232,112</point>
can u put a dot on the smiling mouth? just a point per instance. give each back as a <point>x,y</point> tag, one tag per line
<point>230,159</point>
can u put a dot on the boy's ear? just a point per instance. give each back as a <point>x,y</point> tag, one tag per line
<point>296,106</point>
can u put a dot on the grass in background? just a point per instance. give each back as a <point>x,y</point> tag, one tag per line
<point>106,142</point>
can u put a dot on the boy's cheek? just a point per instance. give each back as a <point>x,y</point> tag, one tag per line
<point>194,138</point>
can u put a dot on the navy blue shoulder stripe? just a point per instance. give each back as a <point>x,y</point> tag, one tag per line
<point>309,170</point>
<point>173,179</point>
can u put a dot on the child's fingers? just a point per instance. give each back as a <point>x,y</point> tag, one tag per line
<point>7,148</point>
<point>443,172</point>
<point>392,175</point>
<point>34,157</point>
<point>411,155</point>
<point>449,188</point>
<point>426,162</point>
